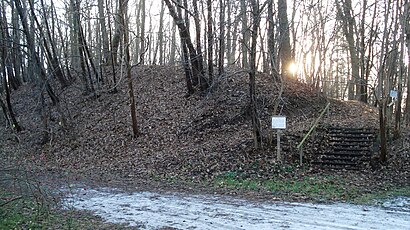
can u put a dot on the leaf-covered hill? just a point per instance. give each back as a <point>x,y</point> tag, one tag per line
<point>198,137</point>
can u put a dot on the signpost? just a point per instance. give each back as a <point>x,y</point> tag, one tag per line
<point>278,123</point>
<point>393,95</point>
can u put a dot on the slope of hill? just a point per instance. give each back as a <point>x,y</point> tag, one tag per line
<point>190,138</point>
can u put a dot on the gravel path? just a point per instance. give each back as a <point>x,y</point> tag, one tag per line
<point>148,210</point>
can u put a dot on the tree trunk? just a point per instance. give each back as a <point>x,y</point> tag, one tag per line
<point>383,88</point>
<point>401,73</point>
<point>383,131</point>
<point>184,34</point>
<point>122,4</point>
<point>10,110</point>
<point>52,56</point>
<point>85,68</point>
<point>363,76</point>
<point>285,51</point>
<point>116,38</point>
<point>17,52</point>
<point>195,81</point>
<point>348,26</point>
<point>271,41</point>
<point>103,30</point>
<point>222,25</point>
<point>252,75</point>
<point>210,42</point>
<point>31,47</point>
<point>406,30</point>
<point>5,113</point>
<point>6,53</point>
<point>172,52</point>
<point>161,34</point>
<point>189,78</point>
<point>74,55</point>
<point>245,35</point>
<point>228,33</point>
<point>187,68</point>
<point>142,32</point>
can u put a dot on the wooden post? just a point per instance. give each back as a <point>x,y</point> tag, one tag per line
<point>278,123</point>
<point>300,145</point>
<point>278,145</point>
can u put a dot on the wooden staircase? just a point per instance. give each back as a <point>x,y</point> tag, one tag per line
<point>347,148</point>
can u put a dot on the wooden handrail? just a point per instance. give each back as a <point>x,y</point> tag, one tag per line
<point>300,145</point>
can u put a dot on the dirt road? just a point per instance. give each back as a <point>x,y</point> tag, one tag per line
<point>154,211</point>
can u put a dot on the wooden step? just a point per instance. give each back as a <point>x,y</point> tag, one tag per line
<point>350,154</point>
<point>335,163</point>
<point>351,130</point>
<point>350,144</point>
<point>351,136</point>
<point>348,148</point>
<point>364,140</point>
<point>356,159</point>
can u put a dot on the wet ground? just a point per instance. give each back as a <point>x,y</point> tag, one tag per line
<point>147,210</point>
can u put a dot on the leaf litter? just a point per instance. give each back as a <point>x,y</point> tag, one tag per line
<point>192,139</point>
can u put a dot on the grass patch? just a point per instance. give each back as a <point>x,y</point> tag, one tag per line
<point>23,212</point>
<point>310,187</point>
<point>17,212</point>
<point>387,192</point>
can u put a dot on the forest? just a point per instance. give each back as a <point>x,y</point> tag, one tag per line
<point>177,92</point>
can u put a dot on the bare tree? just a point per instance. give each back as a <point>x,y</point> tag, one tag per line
<point>193,61</point>
<point>222,28</point>
<point>103,30</point>
<point>49,46</point>
<point>34,55</point>
<point>406,30</point>
<point>245,34</point>
<point>142,31</point>
<point>198,41</point>
<point>285,51</point>
<point>344,9</point>
<point>161,34</point>
<point>210,41</point>
<point>272,55</point>
<point>256,18</point>
<point>123,5</point>
<point>117,37</point>
<point>385,68</point>
<point>5,53</point>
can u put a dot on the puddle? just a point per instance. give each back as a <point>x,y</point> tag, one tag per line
<point>153,211</point>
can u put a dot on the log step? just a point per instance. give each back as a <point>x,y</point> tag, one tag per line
<point>347,148</point>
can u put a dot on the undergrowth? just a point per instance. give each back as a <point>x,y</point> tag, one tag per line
<point>387,192</point>
<point>24,212</point>
<point>25,203</point>
<point>309,187</point>
<point>319,187</point>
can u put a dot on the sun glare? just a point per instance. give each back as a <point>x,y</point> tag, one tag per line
<point>293,68</point>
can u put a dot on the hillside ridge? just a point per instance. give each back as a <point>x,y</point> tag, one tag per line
<point>196,137</point>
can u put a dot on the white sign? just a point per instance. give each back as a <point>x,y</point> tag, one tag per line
<point>393,94</point>
<point>278,122</point>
